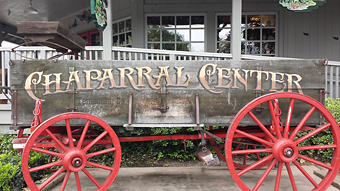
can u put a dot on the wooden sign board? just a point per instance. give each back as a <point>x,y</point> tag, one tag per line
<point>163,92</point>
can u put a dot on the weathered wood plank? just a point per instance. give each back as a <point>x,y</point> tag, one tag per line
<point>102,88</point>
<point>51,31</point>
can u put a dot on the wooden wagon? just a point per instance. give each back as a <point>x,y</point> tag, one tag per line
<point>253,114</point>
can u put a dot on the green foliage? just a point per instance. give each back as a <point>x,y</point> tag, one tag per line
<point>10,165</point>
<point>323,138</point>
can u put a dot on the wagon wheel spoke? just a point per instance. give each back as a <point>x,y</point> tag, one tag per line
<point>256,151</point>
<point>265,174</point>
<point>51,178</point>
<point>276,123</point>
<point>258,122</point>
<point>67,176</point>
<point>257,154</point>
<point>95,141</point>
<point>285,149</point>
<point>76,175</point>
<point>92,178</point>
<point>291,176</point>
<point>314,147</point>
<point>47,152</point>
<point>56,139</point>
<point>306,174</point>
<point>253,166</point>
<point>315,162</point>
<point>303,121</point>
<point>101,152</point>
<point>99,166</point>
<point>69,133</point>
<point>72,157</point>
<point>316,131</point>
<point>80,143</point>
<point>289,118</point>
<point>42,167</point>
<point>245,156</point>
<point>278,176</point>
<point>250,136</point>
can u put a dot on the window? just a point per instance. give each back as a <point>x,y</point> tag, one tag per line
<point>184,33</point>
<point>258,34</point>
<point>122,33</point>
<point>92,37</point>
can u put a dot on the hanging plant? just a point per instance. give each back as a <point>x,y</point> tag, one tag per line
<point>301,5</point>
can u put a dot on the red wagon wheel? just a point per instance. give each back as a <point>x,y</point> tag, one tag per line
<point>283,147</point>
<point>240,161</point>
<point>72,150</point>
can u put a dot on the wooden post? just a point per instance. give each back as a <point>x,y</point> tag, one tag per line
<point>236,29</point>
<point>107,34</point>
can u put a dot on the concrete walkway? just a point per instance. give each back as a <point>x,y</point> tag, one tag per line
<point>190,178</point>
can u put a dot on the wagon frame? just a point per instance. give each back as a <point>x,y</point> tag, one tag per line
<point>257,123</point>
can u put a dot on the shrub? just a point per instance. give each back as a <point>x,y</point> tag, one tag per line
<point>325,137</point>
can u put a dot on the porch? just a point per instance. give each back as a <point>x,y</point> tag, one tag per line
<point>123,53</point>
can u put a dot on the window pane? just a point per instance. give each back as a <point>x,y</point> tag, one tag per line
<point>153,45</point>
<point>121,39</point>
<point>169,46</point>
<point>115,28</point>
<point>223,21</point>
<point>197,35</point>
<point>268,34</point>
<point>115,40</point>
<point>268,20</point>
<point>153,35</point>
<point>197,47</point>
<point>223,47</point>
<point>168,21</point>
<point>183,46</point>
<point>153,22</point>
<point>182,35</point>
<point>129,38</point>
<point>253,48</point>
<point>223,34</point>
<point>95,39</point>
<point>182,21</point>
<point>243,47</point>
<point>268,48</point>
<point>121,27</point>
<point>168,35</point>
<point>253,34</point>
<point>197,21</point>
<point>128,25</point>
<point>254,20</point>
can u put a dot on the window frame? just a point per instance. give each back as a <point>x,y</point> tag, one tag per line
<point>190,28</point>
<point>118,34</point>
<point>245,30</point>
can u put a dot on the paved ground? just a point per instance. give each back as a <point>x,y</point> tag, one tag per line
<point>189,178</point>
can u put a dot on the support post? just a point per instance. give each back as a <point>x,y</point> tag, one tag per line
<point>107,34</point>
<point>236,29</point>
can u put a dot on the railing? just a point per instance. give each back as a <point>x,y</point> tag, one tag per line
<point>332,79</point>
<point>122,53</point>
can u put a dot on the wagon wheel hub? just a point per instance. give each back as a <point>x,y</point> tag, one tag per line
<point>285,150</point>
<point>77,162</point>
<point>288,152</point>
<point>74,160</point>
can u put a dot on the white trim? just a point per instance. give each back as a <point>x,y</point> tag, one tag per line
<point>121,19</point>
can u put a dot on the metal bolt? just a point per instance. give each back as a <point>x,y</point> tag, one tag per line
<point>77,163</point>
<point>288,152</point>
